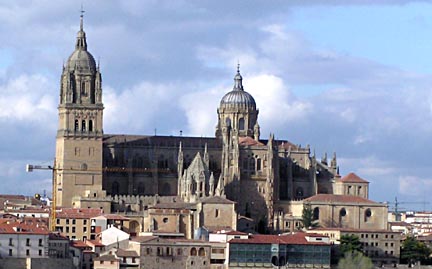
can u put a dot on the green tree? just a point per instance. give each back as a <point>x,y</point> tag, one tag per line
<point>349,243</point>
<point>308,220</point>
<point>355,260</point>
<point>413,251</point>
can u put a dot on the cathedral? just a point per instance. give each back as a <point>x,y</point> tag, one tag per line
<point>269,180</point>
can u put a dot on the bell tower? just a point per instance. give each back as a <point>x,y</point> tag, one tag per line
<point>80,128</point>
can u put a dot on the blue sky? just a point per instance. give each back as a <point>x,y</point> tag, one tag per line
<point>352,78</point>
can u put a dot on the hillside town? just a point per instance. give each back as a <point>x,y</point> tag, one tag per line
<point>235,200</point>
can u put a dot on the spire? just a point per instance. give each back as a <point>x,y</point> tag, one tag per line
<point>81,43</point>
<point>238,80</point>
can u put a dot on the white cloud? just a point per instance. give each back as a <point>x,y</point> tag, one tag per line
<point>26,98</point>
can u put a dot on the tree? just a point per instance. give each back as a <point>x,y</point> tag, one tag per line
<point>350,243</point>
<point>413,251</point>
<point>355,260</point>
<point>308,220</point>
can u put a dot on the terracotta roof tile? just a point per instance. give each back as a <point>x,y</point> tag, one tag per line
<point>343,199</point>
<point>249,141</point>
<point>353,178</point>
<point>78,213</point>
<point>292,239</point>
<point>18,227</point>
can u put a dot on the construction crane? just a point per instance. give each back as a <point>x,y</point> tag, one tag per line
<point>54,169</point>
<point>396,207</point>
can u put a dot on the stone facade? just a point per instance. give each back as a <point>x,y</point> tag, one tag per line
<point>265,177</point>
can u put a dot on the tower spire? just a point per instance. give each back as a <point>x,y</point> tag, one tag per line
<point>238,85</point>
<point>82,18</point>
<point>81,43</point>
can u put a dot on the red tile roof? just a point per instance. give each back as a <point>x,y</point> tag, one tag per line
<point>292,239</point>
<point>18,227</point>
<point>353,178</point>
<point>249,141</point>
<point>343,199</point>
<point>78,213</point>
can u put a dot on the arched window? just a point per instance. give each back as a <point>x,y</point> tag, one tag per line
<point>193,252</point>
<point>241,124</point>
<point>201,252</point>
<point>115,188</point>
<point>275,261</point>
<point>228,122</point>
<point>83,125</point>
<point>90,126</point>
<point>342,212</point>
<point>282,261</point>
<point>367,214</point>
<point>216,213</point>
<point>258,164</point>
<point>76,125</point>
<point>141,188</point>
<point>316,213</point>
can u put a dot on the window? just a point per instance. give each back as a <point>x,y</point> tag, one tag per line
<point>241,124</point>
<point>10,242</point>
<point>73,221</point>
<point>58,221</point>
<point>367,214</point>
<point>67,229</point>
<point>165,220</point>
<point>85,222</point>
<point>193,252</point>
<point>84,229</point>
<point>73,229</point>
<point>258,168</point>
<point>67,221</point>
<point>40,242</point>
<point>40,252</point>
<point>201,252</point>
<point>316,213</point>
<point>179,251</point>
<point>343,213</point>
<point>27,252</point>
<point>10,252</point>
<point>76,125</point>
<point>90,126</point>
<point>216,213</point>
<point>83,125</point>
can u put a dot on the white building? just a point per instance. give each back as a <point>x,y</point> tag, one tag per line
<point>21,240</point>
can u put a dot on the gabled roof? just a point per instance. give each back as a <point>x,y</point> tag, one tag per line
<point>106,258</point>
<point>353,178</point>
<point>126,253</point>
<point>249,141</point>
<point>216,200</point>
<point>342,199</point>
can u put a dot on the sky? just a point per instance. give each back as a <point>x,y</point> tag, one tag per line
<point>354,79</point>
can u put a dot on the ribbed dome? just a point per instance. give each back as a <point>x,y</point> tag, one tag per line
<point>238,97</point>
<point>81,60</point>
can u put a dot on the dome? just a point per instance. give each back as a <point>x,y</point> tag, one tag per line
<point>238,97</point>
<point>81,60</point>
